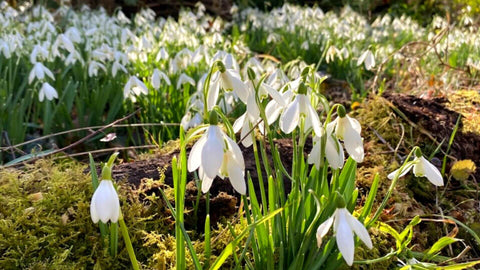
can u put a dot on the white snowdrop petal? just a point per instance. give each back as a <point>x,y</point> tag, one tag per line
<point>323,230</point>
<point>212,152</point>
<point>290,117</point>
<point>315,121</point>
<point>206,183</point>
<point>272,111</point>
<point>354,124</point>
<point>362,57</point>
<point>354,145</point>
<point>195,156</point>
<point>212,95</point>
<point>432,173</point>
<point>359,229</point>
<point>239,123</point>
<point>114,203</point>
<point>275,95</point>
<point>237,177</point>
<point>93,210</point>
<point>314,156</point>
<point>334,152</point>
<point>344,236</point>
<point>236,152</point>
<point>406,169</point>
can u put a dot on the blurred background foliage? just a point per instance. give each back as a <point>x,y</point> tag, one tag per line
<point>420,10</point>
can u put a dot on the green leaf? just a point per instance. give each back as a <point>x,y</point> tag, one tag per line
<point>230,247</point>
<point>439,245</point>
<point>460,266</point>
<point>30,156</point>
<point>367,208</point>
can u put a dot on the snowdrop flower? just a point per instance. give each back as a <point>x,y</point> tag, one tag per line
<point>134,87</point>
<point>47,91</point>
<point>105,205</point>
<point>421,167</point>
<point>116,67</point>
<point>216,154</point>
<point>300,106</point>
<point>5,49</point>
<point>333,151</point>
<point>184,78</point>
<point>38,50</point>
<point>228,80</point>
<point>348,129</point>
<point>38,71</point>
<point>162,55</point>
<point>93,68</point>
<point>248,120</point>
<point>344,226</point>
<point>189,121</point>
<point>305,45</point>
<point>330,55</point>
<point>368,59</point>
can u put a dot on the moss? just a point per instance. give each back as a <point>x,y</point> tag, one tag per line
<point>45,222</point>
<point>382,244</point>
<point>466,102</point>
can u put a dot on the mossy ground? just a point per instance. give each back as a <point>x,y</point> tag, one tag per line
<point>388,138</point>
<point>45,222</point>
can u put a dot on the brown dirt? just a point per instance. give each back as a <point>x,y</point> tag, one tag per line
<point>224,199</point>
<point>434,119</point>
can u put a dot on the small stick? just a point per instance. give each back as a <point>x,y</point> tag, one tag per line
<point>77,142</point>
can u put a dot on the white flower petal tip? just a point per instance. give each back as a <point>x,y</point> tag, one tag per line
<point>345,226</point>
<point>105,205</point>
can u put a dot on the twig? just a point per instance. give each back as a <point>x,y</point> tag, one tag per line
<point>113,149</point>
<point>77,142</point>
<point>384,141</point>
<point>9,145</point>
<point>86,128</point>
<point>251,130</point>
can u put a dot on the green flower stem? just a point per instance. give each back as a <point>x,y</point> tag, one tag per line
<point>113,239</point>
<point>390,189</point>
<point>128,242</point>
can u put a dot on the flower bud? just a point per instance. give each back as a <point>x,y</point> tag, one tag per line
<point>418,152</point>
<point>339,200</point>
<point>341,111</point>
<point>251,74</point>
<point>302,89</point>
<point>213,117</point>
<point>221,66</point>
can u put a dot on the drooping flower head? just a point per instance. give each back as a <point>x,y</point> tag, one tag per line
<point>421,167</point>
<point>344,227</point>
<point>300,107</point>
<point>216,154</point>
<point>105,205</point>
<point>348,129</point>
